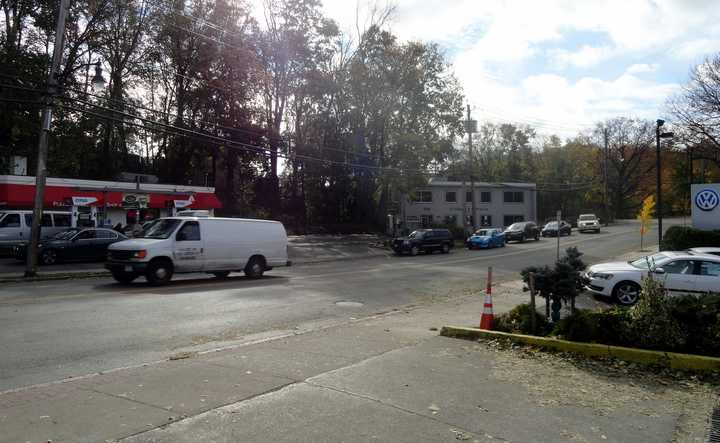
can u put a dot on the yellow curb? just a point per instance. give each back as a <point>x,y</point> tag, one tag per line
<point>672,360</point>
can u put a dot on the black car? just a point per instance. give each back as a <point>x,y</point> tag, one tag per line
<point>551,229</point>
<point>522,231</point>
<point>424,240</point>
<point>74,244</point>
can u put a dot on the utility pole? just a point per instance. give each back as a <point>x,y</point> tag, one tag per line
<point>605,177</point>
<point>470,127</point>
<point>659,178</point>
<point>41,173</point>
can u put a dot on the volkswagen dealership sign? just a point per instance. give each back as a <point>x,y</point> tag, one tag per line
<point>706,206</point>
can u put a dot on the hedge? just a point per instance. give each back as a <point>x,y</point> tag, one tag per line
<point>696,323</point>
<point>678,238</point>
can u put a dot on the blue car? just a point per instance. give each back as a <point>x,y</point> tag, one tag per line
<point>486,238</point>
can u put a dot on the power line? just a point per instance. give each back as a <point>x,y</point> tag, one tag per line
<point>217,125</point>
<point>233,143</point>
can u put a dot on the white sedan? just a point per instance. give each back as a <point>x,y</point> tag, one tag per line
<point>711,251</point>
<point>680,272</point>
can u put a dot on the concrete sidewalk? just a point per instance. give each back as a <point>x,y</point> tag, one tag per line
<point>384,378</point>
<point>301,250</point>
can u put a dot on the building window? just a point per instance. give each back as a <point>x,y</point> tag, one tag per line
<point>514,197</point>
<point>485,197</point>
<point>510,219</point>
<point>451,220</point>
<point>486,221</point>
<point>468,196</point>
<point>451,197</point>
<point>426,221</point>
<point>423,197</point>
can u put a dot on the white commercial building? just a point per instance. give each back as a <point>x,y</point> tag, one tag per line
<point>443,202</point>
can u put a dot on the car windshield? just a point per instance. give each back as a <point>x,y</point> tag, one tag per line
<point>484,232</point>
<point>551,225</point>
<point>416,234</point>
<point>587,217</point>
<point>161,228</point>
<point>65,235</point>
<point>648,261</point>
<point>516,226</point>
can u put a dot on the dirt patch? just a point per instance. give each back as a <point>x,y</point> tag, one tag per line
<point>607,386</point>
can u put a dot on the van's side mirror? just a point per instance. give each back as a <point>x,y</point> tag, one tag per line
<point>658,271</point>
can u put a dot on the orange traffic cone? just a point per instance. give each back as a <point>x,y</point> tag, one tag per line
<point>486,319</point>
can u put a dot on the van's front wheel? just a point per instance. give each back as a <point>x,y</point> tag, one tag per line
<point>255,267</point>
<point>159,272</point>
<point>124,277</point>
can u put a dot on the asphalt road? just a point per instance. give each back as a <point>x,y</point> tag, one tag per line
<point>58,329</point>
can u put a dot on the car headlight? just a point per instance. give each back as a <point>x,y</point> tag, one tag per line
<point>140,254</point>
<point>600,275</point>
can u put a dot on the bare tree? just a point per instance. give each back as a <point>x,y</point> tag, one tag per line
<point>697,109</point>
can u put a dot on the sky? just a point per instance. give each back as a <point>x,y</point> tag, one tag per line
<point>560,65</point>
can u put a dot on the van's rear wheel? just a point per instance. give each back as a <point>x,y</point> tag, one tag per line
<point>124,277</point>
<point>255,267</point>
<point>159,272</point>
<point>221,274</point>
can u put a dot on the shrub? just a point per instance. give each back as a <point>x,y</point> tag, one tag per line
<point>609,326</point>
<point>699,317</point>
<point>652,323</point>
<point>678,238</point>
<point>518,320</point>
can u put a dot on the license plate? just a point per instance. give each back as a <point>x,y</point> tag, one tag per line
<point>128,268</point>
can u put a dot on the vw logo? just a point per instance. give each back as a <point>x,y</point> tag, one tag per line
<point>707,200</point>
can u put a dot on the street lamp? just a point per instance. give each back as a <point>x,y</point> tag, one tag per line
<point>98,82</point>
<point>658,136</point>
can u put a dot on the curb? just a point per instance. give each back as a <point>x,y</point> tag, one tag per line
<point>671,360</point>
<point>54,276</point>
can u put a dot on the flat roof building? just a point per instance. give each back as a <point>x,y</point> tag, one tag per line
<point>448,203</point>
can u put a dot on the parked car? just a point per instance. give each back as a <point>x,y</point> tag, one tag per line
<point>73,244</point>
<point>15,225</point>
<point>486,238</point>
<point>214,245</point>
<point>680,272</point>
<point>522,231</point>
<point>588,222</point>
<point>424,240</point>
<point>551,229</point>
<point>705,250</point>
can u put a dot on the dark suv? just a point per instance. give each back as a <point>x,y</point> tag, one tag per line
<point>522,231</point>
<point>424,240</point>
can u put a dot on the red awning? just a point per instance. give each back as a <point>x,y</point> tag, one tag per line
<point>206,200</point>
<point>17,195</point>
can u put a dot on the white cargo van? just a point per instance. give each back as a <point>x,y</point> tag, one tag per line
<point>197,244</point>
<point>15,225</point>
